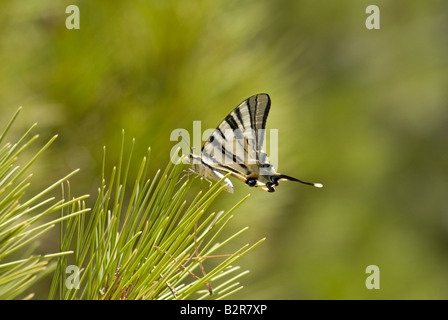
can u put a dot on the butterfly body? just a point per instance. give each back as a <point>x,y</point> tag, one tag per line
<point>236,147</point>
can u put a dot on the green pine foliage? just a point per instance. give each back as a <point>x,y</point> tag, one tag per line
<point>151,242</point>
<point>23,221</point>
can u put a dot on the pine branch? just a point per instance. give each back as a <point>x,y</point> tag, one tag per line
<point>149,242</point>
<point>22,222</point>
<point>152,248</point>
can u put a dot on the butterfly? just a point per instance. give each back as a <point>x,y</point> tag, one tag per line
<point>236,147</point>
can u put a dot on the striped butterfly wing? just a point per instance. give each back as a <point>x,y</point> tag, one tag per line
<point>236,145</point>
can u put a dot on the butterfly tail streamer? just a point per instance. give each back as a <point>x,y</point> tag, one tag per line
<point>288,178</point>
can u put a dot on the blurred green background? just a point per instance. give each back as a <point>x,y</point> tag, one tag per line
<point>365,112</point>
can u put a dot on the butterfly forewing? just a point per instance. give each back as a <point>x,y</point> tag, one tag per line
<point>236,144</point>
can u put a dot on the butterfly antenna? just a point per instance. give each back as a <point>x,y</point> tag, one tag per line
<point>317,185</point>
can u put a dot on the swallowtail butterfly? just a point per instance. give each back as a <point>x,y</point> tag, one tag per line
<point>236,147</point>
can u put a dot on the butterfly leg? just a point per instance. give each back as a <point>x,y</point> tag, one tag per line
<point>209,181</point>
<point>186,174</point>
